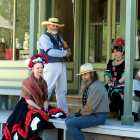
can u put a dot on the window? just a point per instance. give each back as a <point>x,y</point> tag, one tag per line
<point>21,36</point>
<point>97,31</point>
<point>6,27</point>
<point>22,29</point>
<point>117,18</point>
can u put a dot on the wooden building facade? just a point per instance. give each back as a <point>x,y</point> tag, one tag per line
<point>90,28</point>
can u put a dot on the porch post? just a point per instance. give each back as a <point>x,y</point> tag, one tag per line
<point>127,118</point>
<point>122,17</point>
<point>42,15</point>
<point>14,29</point>
<point>45,7</point>
<point>33,27</point>
<point>78,30</point>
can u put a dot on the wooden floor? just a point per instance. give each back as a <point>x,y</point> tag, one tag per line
<point>4,113</point>
<point>111,122</point>
<point>118,122</point>
<point>74,103</point>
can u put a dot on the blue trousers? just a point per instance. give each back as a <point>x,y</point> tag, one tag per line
<point>74,124</point>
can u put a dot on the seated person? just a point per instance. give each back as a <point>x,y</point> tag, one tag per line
<point>32,112</point>
<point>95,104</point>
<point>114,77</point>
<point>136,96</point>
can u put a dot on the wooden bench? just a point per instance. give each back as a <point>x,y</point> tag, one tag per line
<point>4,96</point>
<point>10,92</point>
<point>109,128</point>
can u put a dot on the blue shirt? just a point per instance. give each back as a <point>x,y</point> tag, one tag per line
<point>46,44</point>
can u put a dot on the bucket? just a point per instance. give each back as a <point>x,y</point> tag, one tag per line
<point>9,54</point>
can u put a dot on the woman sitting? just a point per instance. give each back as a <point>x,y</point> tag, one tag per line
<point>136,96</point>
<point>114,77</point>
<point>32,112</point>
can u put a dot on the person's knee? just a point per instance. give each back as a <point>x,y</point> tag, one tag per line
<point>69,123</point>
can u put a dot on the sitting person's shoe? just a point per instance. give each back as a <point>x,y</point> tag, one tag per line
<point>135,116</point>
<point>57,115</point>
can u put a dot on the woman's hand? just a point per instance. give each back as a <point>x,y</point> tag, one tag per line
<point>46,111</point>
<point>45,104</point>
<point>110,84</point>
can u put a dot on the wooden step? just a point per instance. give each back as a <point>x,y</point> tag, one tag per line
<point>70,98</point>
<point>74,103</point>
<point>72,107</point>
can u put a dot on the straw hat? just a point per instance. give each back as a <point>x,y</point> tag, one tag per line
<point>85,68</point>
<point>53,21</point>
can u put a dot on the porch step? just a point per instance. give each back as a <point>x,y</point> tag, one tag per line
<point>72,107</point>
<point>70,98</point>
<point>73,101</point>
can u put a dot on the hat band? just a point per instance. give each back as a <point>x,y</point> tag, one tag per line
<point>86,71</point>
<point>55,22</point>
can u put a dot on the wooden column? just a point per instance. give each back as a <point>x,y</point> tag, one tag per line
<point>109,29</point>
<point>33,27</point>
<point>14,30</point>
<point>122,18</point>
<point>42,15</point>
<point>127,118</point>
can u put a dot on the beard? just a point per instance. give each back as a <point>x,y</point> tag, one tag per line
<point>54,32</point>
<point>85,84</point>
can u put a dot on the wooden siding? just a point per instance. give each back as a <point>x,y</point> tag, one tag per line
<point>12,73</point>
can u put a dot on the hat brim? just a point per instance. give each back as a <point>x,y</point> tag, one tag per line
<point>85,72</point>
<point>44,23</point>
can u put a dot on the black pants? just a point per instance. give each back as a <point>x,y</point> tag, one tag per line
<point>116,103</point>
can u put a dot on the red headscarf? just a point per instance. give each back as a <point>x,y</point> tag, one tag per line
<point>37,58</point>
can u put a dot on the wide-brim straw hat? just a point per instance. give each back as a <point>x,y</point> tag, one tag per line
<point>53,21</point>
<point>85,68</point>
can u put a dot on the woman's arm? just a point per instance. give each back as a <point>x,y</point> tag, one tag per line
<point>32,104</point>
<point>121,79</point>
<point>107,73</point>
<point>46,104</point>
<point>107,78</point>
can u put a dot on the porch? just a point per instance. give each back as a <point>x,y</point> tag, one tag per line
<point>111,130</point>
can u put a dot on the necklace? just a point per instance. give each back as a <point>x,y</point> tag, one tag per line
<point>118,59</point>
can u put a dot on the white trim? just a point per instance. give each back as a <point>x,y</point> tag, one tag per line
<point>15,92</point>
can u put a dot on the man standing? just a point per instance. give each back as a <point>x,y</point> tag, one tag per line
<point>95,104</point>
<point>51,45</point>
